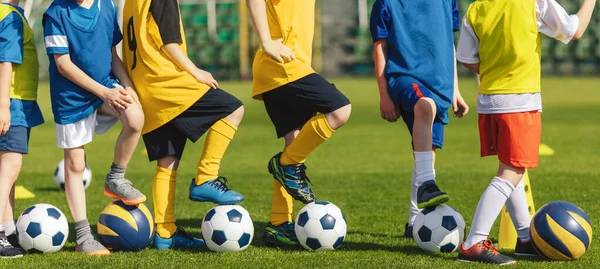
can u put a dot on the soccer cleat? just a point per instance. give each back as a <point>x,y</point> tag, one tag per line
<point>408,231</point>
<point>180,240</point>
<point>280,236</point>
<point>92,247</point>
<point>215,191</point>
<point>7,250</point>
<point>525,249</point>
<point>429,195</point>
<point>293,179</point>
<point>13,239</point>
<point>123,190</point>
<point>485,252</point>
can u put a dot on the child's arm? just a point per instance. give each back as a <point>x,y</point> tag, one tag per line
<point>116,98</point>
<point>5,82</point>
<point>468,48</point>
<point>176,54</point>
<point>274,48</point>
<point>459,106</point>
<point>387,108</point>
<point>118,69</point>
<point>584,14</point>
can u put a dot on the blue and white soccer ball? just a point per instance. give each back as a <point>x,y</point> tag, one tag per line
<point>59,176</point>
<point>439,229</point>
<point>42,228</point>
<point>227,228</point>
<point>320,226</point>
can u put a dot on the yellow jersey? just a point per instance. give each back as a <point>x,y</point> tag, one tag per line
<point>293,21</point>
<point>25,75</point>
<point>164,89</point>
<point>509,45</point>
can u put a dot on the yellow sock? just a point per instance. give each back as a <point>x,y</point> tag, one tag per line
<point>163,193</point>
<point>314,132</point>
<point>217,141</point>
<point>282,205</point>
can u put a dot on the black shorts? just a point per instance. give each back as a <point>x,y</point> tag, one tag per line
<point>170,139</point>
<point>292,105</point>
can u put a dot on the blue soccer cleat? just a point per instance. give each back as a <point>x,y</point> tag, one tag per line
<point>293,179</point>
<point>215,191</point>
<point>280,236</point>
<point>180,240</point>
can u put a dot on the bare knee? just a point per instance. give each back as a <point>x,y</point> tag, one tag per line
<point>236,117</point>
<point>425,108</point>
<point>339,117</point>
<point>169,162</point>
<point>74,164</point>
<point>510,173</point>
<point>134,119</point>
<point>11,163</point>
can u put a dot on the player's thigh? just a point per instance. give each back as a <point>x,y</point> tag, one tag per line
<point>519,136</point>
<point>288,108</point>
<point>214,105</point>
<point>165,141</point>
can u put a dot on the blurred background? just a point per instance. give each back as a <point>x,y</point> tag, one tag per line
<point>221,39</point>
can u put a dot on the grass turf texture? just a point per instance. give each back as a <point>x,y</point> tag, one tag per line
<point>365,170</point>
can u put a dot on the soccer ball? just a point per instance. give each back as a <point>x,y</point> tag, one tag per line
<point>42,228</point>
<point>227,228</point>
<point>320,225</point>
<point>126,228</point>
<point>439,229</point>
<point>59,176</point>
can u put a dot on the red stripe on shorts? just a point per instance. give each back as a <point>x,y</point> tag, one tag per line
<point>417,90</point>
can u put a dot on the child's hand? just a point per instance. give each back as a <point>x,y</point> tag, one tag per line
<point>459,106</point>
<point>388,109</point>
<point>133,94</point>
<point>206,78</point>
<point>278,51</point>
<point>4,119</point>
<point>117,98</point>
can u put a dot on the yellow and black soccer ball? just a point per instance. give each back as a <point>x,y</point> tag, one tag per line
<point>561,231</point>
<point>125,228</point>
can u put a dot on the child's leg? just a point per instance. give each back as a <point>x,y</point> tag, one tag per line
<point>74,167</point>
<point>163,195</point>
<point>518,209</point>
<point>217,140</point>
<point>116,186</point>
<point>424,111</point>
<point>282,204</point>
<point>491,202</point>
<point>10,167</point>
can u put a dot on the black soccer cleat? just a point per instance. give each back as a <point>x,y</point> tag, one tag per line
<point>429,195</point>
<point>526,249</point>
<point>7,250</point>
<point>408,231</point>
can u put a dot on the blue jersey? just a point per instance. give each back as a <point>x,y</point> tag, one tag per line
<point>88,36</point>
<point>420,44</point>
<point>23,113</point>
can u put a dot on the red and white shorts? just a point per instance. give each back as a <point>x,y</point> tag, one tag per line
<point>514,137</point>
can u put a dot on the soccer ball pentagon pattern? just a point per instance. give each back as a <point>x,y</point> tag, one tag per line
<point>439,229</point>
<point>227,228</point>
<point>42,228</point>
<point>59,175</point>
<point>320,226</point>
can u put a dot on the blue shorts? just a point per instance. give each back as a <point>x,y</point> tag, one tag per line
<point>16,140</point>
<point>406,98</point>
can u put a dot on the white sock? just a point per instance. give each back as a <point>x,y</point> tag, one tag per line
<point>518,209</point>
<point>9,227</point>
<point>414,209</point>
<point>490,204</point>
<point>424,167</point>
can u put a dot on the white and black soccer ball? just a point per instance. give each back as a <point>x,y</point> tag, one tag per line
<point>320,225</point>
<point>439,229</point>
<point>227,228</point>
<point>42,228</point>
<point>59,175</point>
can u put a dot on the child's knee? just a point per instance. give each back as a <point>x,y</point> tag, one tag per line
<point>339,117</point>
<point>425,108</point>
<point>169,162</point>
<point>236,116</point>
<point>135,119</point>
<point>75,165</point>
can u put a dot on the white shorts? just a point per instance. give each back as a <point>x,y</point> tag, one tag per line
<point>77,134</point>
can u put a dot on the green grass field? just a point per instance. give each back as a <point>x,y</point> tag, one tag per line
<point>365,169</point>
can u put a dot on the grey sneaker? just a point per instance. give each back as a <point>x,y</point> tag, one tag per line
<point>123,189</point>
<point>92,247</point>
<point>7,250</point>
